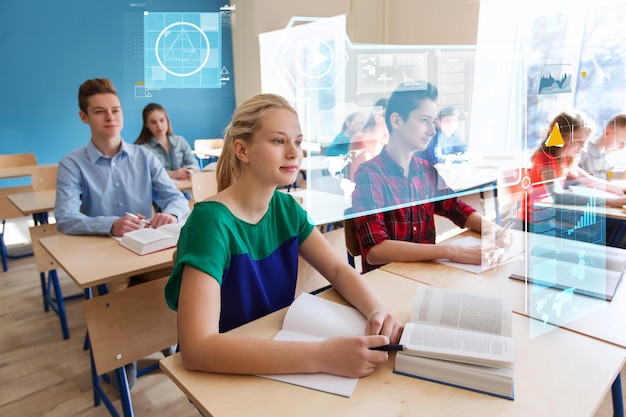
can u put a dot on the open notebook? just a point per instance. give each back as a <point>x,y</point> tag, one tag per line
<point>310,319</point>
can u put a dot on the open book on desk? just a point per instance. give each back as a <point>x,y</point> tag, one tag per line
<point>516,248</point>
<point>311,319</point>
<point>148,239</point>
<point>459,339</point>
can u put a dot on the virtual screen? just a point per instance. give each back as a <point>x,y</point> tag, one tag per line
<point>497,101</point>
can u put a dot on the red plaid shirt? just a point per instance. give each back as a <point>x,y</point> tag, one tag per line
<point>401,208</point>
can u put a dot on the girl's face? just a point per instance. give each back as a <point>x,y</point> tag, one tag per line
<point>157,123</point>
<point>275,151</point>
<point>418,128</point>
<point>573,144</point>
<point>354,125</point>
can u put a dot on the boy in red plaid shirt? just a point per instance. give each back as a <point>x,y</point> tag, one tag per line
<point>401,193</point>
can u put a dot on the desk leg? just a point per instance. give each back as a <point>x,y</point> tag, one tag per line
<point>616,393</point>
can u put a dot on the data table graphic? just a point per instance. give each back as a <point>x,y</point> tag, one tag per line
<point>182,50</point>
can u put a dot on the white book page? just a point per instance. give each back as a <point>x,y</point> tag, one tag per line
<point>457,344</point>
<point>323,318</point>
<point>462,310</point>
<point>516,248</point>
<point>311,319</point>
<point>333,384</point>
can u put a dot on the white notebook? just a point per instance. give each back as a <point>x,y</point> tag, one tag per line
<point>312,318</point>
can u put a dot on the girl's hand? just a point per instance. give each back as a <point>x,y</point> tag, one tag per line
<point>383,323</point>
<point>351,356</point>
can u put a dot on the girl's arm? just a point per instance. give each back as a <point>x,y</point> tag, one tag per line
<point>317,251</point>
<point>204,348</point>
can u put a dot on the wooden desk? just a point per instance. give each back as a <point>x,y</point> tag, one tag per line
<point>464,177</point>
<point>205,153</point>
<point>34,202</point>
<point>183,185</point>
<point>548,376</point>
<point>592,317</point>
<point>95,260</point>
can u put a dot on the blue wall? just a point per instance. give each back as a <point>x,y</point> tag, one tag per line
<point>48,48</point>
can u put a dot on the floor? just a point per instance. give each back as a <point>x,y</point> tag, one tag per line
<point>43,375</point>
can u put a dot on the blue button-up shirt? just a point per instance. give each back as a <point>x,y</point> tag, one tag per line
<point>94,190</point>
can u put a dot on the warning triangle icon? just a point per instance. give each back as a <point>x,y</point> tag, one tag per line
<point>555,138</point>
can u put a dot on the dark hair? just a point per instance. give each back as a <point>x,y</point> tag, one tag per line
<point>91,88</point>
<point>247,120</point>
<point>447,111</point>
<point>371,121</point>
<point>408,97</point>
<point>145,135</point>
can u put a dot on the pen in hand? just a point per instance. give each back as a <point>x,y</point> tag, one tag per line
<point>389,348</point>
<point>143,221</point>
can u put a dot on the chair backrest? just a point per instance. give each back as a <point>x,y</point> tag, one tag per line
<point>201,145</point>
<point>127,325</point>
<point>17,160</point>
<point>352,244</point>
<point>44,262</point>
<point>203,184</point>
<point>44,177</point>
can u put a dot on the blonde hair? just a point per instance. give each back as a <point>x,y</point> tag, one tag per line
<point>247,120</point>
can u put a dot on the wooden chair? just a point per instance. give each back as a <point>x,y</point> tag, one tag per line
<point>125,326</point>
<point>17,160</point>
<point>46,264</point>
<point>44,177</point>
<point>7,209</point>
<point>202,149</point>
<point>203,185</point>
<point>352,243</point>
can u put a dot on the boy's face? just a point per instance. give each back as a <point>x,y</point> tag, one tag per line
<point>104,116</point>
<point>418,128</point>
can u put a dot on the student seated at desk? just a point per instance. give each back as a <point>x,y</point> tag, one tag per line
<point>237,260</point>
<point>173,151</point>
<point>397,177</point>
<point>593,156</point>
<point>368,142</point>
<point>99,184</point>
<point>553,168</point>
<point>107,187</point>
<point>341,144</point>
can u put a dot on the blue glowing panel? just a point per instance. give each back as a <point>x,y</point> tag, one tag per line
<point>182,50</point>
